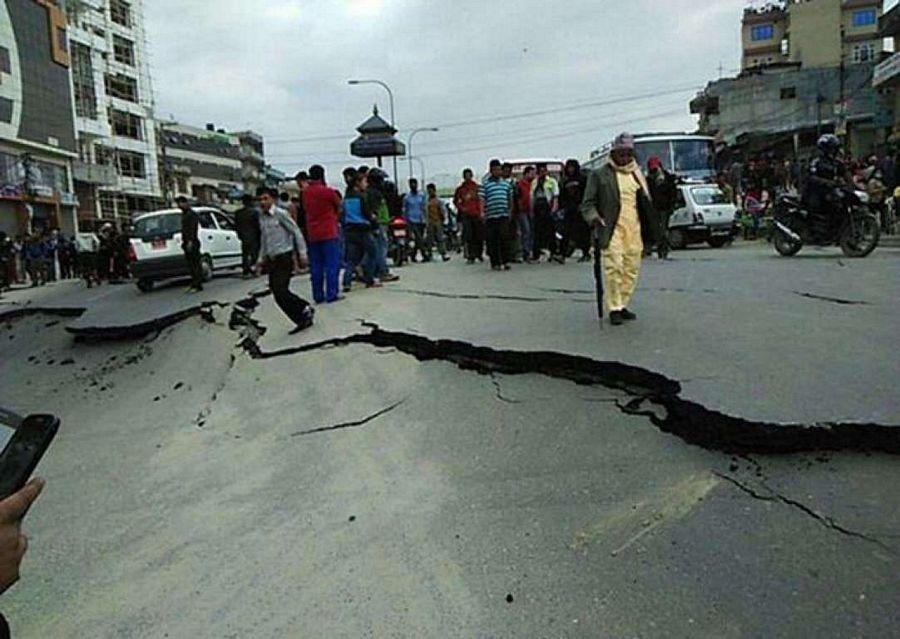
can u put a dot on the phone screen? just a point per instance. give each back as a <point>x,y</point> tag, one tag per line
<point>24,450</point>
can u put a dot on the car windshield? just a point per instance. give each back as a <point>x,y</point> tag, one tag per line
<point>165,224</point>
<point>708,196</point>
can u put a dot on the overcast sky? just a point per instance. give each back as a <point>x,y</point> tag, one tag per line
<point>280,67</point>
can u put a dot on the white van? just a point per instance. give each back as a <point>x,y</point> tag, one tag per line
<point>156,240</point>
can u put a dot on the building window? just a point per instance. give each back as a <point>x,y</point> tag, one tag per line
<point>122,87</point>
<point>83,82</point>
<point>126,124</point>
<point>762,32</point>
<point>788,93</point>
<point>123,50</point>
<point>865,18</point>
<point>105,156</point>
<point>131,164</point>
<point>120,12</point>
<point>864,52</point>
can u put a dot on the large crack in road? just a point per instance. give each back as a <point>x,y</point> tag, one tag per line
<point>655,396</point>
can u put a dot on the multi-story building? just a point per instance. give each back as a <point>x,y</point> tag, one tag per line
<point>116,172</point>
<point>37,134</point>
<point>763,36</point>
<point>207,165</point>
<point>253,164</point>
<point>886,77</point>
<point>814,33</point>
<point>807,68</point>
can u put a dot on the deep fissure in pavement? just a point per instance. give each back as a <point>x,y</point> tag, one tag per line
<point>655,396</point>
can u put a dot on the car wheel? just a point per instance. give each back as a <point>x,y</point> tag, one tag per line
<point>718,242</point>
<point>206,266</point>
<point>145,285</point>
<point>677,239</point>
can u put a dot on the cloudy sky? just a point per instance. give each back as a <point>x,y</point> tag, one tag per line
<point>512,79</point>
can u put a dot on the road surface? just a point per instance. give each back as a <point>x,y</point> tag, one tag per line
<point>469,454</point>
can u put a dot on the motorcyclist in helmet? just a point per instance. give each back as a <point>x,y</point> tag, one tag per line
<point>827,173</point>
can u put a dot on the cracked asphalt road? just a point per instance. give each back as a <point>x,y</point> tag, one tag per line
<point>414,466</point>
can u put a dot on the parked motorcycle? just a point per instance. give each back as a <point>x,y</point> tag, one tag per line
<point>857,232</point>
<point>398,234</point>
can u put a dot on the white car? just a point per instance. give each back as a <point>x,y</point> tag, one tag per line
<point>702,214</point>
<point>156,242</point>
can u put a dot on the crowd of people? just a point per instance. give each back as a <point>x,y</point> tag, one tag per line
<point>755,184</point>
<point>40,257</point>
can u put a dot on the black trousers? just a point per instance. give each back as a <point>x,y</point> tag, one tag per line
<point>544,233</point>
<point>249,255</point>
<point>192,255</point>
<point>663,247</point>
<point>473,230</point>
<point>281,267</point>
<point>498,240</point>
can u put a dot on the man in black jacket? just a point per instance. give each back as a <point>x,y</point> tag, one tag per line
<point>190,243</point>
<point>663,192</point>
<point>246,222</point>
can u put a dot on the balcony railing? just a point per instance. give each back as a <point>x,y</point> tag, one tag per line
<point>101,174</point>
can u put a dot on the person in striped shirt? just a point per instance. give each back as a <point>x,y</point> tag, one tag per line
<point>496,195</point>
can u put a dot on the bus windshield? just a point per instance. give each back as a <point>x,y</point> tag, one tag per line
<point>693,158</point>
<point>643,151</point>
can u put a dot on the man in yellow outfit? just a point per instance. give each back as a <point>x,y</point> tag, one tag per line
<point>617,204</point>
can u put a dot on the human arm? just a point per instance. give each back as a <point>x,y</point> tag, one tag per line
<point>13,543</point>
<point>589,210</point>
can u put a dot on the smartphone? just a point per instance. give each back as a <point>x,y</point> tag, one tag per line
<point>24,450</point>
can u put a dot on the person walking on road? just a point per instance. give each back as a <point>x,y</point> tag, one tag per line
<point>282,248</point>
<point>663,192</point>
<point>437,215</point>
<point>414,214</point>
<point>466,200</point>
<point>544,204</point>
<point>523,214</point>
<point>359,243</point>
<point>190,243</point>
<point>496,195</point>
<point>322,206</point>
<point>576,234</point>
<point>246,222</point>
<point>378,204</point>
<point>617,204</point>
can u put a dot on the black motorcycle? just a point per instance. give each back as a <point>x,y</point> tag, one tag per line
<point>856,232</point>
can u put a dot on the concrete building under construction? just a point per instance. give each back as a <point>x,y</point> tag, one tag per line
<point>116,172</point>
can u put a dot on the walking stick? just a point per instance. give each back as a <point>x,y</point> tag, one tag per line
<point>598,272</point>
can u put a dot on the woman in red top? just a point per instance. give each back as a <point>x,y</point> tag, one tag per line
<point>322,206</point>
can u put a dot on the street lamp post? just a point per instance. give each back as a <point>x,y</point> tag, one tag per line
<point>409,145</point>
<point>391,101</point>
<point>421,168</point>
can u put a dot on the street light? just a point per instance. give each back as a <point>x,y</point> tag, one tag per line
<point>391,100</point>
<point>409,145</point>
<point>421,168</point>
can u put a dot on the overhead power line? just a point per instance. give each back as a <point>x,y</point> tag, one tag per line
<point>511,116</point>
